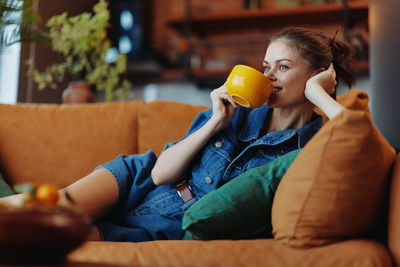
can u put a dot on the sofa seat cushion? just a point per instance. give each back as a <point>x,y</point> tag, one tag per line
<point>244,253</point>
<point>62,143</point>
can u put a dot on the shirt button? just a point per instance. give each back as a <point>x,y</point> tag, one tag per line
<point>218,144</point>
<point>209,180</point>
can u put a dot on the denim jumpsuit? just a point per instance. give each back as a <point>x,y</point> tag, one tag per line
<point>147,212</point>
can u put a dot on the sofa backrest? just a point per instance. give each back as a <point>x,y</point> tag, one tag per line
<point>161,122</point>
<point>62,143</point>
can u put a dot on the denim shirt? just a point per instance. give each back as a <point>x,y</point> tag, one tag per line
<point>240,147</point>
<point>148,212</point>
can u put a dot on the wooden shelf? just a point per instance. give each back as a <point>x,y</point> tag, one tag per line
<point>266,19</point>
<point>204,24</point>
<point>210,72</point>
<point>361,68</point>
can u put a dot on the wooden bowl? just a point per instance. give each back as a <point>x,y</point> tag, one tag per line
<point>36,236</point>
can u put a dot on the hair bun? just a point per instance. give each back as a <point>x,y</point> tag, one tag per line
<point>320,50</point>
<point>340,51</point>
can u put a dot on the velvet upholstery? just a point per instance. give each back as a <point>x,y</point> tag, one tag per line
<point>60,143</point>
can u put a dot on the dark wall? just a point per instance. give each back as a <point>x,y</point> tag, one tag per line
<point>42,55</point>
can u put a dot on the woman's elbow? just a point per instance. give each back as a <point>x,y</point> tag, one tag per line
<point>156,177</point>
<point>160,177</point>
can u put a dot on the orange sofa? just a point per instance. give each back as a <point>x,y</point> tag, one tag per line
<point>61,143</point>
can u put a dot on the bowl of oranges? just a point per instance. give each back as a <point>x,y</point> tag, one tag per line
<point>39,231</point>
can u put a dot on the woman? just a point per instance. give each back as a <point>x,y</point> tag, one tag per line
<point>142,197</point>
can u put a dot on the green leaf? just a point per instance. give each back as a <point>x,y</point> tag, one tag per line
<point>83,43</point>
<point>10,11</point>
<point>121,63</point>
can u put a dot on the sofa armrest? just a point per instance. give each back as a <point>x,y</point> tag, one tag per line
<point>394,213</point>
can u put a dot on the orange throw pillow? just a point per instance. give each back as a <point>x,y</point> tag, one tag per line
<point>335,188</point>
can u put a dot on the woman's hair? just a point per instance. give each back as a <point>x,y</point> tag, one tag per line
<point>320,50</point>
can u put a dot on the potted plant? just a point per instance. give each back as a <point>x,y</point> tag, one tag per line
<point>83,44</point>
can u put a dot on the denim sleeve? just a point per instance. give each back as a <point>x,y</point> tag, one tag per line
<point>133,176</point>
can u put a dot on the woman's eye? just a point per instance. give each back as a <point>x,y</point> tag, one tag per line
<point>266,69</point>
<point>283,67</point>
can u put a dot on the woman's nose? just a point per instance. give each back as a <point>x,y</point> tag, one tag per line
<point>270,75</point>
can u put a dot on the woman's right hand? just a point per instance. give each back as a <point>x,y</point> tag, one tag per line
<point>223,107</point>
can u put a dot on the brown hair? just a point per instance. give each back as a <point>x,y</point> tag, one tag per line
<point>320,50</point>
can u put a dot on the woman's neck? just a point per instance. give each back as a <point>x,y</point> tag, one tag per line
<point>285,118</point>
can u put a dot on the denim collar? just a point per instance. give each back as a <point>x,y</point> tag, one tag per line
<point>252,128</point>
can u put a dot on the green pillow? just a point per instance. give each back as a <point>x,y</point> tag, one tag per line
<point>5,189</point>
<point>240,209</point>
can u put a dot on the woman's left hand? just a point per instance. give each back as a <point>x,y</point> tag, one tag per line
<point>318,91</point>
<point>325,79</point>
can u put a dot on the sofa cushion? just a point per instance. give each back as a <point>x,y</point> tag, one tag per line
<point>335,187</point>
<point>5,188</point>
<point>62,143</point>
<point>239,209</point>
<point>161,122</point>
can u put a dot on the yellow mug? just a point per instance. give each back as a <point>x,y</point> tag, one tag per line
<point>248,87</point>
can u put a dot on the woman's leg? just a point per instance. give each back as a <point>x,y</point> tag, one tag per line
<point>94,235</point>
<point>95,194</point>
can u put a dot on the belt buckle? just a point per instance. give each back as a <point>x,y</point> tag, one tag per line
<point>184,191</point>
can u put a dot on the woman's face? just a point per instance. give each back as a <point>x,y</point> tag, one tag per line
<point>288,72</point>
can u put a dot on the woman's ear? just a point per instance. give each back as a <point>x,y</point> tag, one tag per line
<point>319,70</point>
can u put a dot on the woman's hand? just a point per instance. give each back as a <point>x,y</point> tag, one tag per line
<point>318,91</point>
<point>173,161</point>
<point>325,79</point>
<point>223,107</point>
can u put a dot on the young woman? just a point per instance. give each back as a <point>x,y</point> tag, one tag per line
<point>142,197</point>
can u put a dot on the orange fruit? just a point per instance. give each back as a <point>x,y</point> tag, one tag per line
<point>47,194</point>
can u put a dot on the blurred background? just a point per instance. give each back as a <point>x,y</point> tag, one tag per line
<point>182,49</point>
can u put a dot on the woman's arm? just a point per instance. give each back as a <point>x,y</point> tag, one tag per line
<point>318,90</point>
<point>173,161</point>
